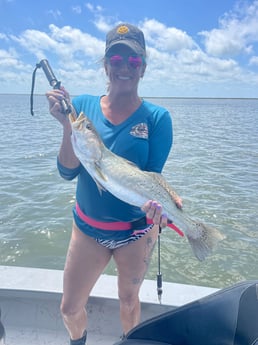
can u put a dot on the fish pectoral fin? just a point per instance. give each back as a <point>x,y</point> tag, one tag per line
<point>100,187</point>
<point>101,177</point>
<point>99,172</point>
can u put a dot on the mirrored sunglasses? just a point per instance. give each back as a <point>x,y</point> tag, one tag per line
<point>133,61</point>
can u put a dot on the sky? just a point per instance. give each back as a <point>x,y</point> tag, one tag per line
<point>195,48</point>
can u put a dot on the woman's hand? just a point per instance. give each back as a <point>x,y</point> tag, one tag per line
<point>153,211</point>
<point>55,97</point>
<point>66,154</point>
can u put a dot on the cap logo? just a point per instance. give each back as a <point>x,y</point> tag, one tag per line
<point>123,29</point>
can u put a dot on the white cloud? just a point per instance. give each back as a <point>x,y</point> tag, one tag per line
<point>75,40</point>
<point>65,42</point>
<point>35,42</point>
<point>166,38</point>
<point>92,8</point>
<point>102,25</point>
<point>253,60</point>
<point>15,75</point>
<point>8,58</point>
<point>183,59</point>
<point>75,55</point>
<point>55,13</point>
<point>177,65</point>
<point>100,21</point>
<point>238,30</point>
<point>196,62</point>
<point>77,9</point>
<point>3,37</point>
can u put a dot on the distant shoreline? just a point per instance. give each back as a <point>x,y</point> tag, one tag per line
<point>157,97</point>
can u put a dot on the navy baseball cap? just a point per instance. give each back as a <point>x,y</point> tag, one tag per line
<point>128,35</point>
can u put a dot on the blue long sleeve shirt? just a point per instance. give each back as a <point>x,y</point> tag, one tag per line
<point>145,138</point>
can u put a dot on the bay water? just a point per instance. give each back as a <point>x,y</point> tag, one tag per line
<point>213,166</point>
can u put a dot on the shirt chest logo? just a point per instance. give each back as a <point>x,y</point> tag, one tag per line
<point>140,131</point>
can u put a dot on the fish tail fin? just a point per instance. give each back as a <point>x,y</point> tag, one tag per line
<point>204,240</point>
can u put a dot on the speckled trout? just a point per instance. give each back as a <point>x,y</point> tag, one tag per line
<point>127,182</point>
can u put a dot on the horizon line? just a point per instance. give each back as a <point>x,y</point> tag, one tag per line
<point>175,97</point>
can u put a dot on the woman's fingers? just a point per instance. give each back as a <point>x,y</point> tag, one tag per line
<point>153,211</point>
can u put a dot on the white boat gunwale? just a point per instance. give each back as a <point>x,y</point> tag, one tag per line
<point>30,299</point>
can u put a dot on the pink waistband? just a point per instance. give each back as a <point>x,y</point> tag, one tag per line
<point>115,225</point>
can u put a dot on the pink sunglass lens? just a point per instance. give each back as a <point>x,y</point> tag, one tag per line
<point>116,60</point>
<point>134,61</point>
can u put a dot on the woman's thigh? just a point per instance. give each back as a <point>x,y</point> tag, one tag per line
<point>132,263</point>
<point>85,262</point>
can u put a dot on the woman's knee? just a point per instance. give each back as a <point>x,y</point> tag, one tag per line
<point>129,298</point>
<point>69,308</point>
<point>66,308</point>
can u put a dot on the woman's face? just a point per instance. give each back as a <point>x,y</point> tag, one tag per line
<point>124,68</point>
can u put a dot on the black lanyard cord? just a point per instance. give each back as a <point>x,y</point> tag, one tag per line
<point>32,87</point>
<point>159,274</point>
<point>66,106</point>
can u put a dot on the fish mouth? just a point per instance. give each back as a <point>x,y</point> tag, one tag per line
<point>72,118</point>
<point>76,121</point>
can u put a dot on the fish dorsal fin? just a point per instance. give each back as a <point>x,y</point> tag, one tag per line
<point>174,196</point>
<point>131,163</point>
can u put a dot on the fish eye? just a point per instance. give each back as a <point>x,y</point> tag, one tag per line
<point>89,126</point>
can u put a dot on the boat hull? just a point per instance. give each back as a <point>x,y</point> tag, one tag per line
<point>30,299</point>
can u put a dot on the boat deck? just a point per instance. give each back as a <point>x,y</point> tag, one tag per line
<point>30,299</point>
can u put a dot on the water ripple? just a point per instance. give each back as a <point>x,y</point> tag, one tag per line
<point>213,166</point>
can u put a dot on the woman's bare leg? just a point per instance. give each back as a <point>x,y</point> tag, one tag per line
<point>132,263</point>
<point>85,262</point>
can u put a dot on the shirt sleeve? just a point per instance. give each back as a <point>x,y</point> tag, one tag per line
<point>66,173</point>
<point>160,143</point>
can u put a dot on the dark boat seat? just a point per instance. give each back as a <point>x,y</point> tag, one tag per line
<point>141,342</point>
<point>227,317</point>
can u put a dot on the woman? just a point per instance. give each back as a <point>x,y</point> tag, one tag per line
<point>138,131</point>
